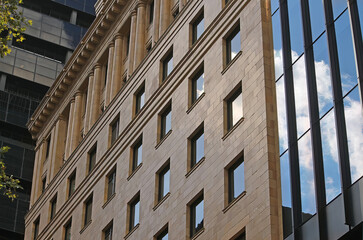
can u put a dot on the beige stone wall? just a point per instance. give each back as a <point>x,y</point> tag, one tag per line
<point>258,211</point>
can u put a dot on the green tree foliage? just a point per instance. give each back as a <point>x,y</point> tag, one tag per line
<point>8,184</point>
<point>12,24</point>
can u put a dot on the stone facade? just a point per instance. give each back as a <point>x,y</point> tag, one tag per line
<point>81,107</point>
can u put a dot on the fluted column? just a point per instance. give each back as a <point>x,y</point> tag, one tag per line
<point>164,15</point>
<point>88,103</point>
<point>69,130</point>
<point>58,146</point>
<point>41,159</point>
<point>51,151</point>
<point>117,65</point>
<point>132,41</point>
<point>96,94</point>
<point>156,20</point>
<point>77,118</point>
<point>35,176</point>
<point>140,33</point>
<point>110,67</point>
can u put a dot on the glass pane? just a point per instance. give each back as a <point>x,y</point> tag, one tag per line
<point>166,182</point>
<point>330,156</point>
<point>139,155</point>
<point>137,213</point>
<point>296,33</point>
<point>276,27</point>
<point>274,5</point>
<point>339,6</point>
<point>306,177</point>
<point>239,180</point>
<point>301,96</point>
<point>360,10</point>
<point>200,148</point>
<point>281,111</point>
<point>235,45</point>
<point>286,193</point>
<point>167,123</point>
<point>322,72</point>
<point>170,66</point>
<point>237,109</point>
<point>346,53</point>
<point>317,17</point>
<point>354,122</point>
<point>200,28</point>
<point>199,216</point>
<point>200,86</point>
<point>142,99</point>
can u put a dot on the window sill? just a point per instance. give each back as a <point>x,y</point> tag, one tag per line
<point>195,167</point>
<point>233,128</point>
<point>195,103</point>
<point>198,234</point>
<point>234,201</point>
<point>132,230</point>
<point>134,172</point>
<point>161,201</point>
<point>163,139</point>
<point>231,62</point>
<point>108,200</point>
<point>85,227</point>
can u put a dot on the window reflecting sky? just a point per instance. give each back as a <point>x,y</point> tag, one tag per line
<point>239,180</point>
<point>200,148</point>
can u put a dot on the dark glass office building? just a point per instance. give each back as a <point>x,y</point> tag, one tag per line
<point>25,76</point>
<point>319,67</point>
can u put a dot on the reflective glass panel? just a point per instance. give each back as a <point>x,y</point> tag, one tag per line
<point>339,6</point>
<point>199,148</point>
<point>276,26</point>
<point>281,111</point>
<point>317,17</point>
<point>296,33</point>
<point>286,193</point>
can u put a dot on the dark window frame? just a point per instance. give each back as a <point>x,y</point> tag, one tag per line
<point>67,230</point>
<point>111,179</point>
<point>115,127</point>
<point>163,123</point>
<point>163,233</point>
<point>161,180</point>
<point>193,145</point>
<point>151,12</point>
<point>36,228</point>
<point>228,39</point>
<point>71,182</point>
<point>88,205</point>
<point>53,208</point>
<point>195,23</point>
<point>231,178</point>
<point>107,232</point>
<point>138,99</point>
<point>132,208</point>
<point>135,154</point>
<point>229,102</point>
<point>92,155</point>
<point>193,206</point>
<point>165,62</point>
<point>194,88</point>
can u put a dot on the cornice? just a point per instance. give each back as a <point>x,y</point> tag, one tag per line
<point>77,62</point>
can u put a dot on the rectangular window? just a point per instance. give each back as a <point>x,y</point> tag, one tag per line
<point>111,183</point>
<point>136,154</point>
<point>151,12</point>
<point>163,235</point>
<point>88,211</point>
<point>164,182</point>
<point>36,228</point>
<point>197,146</point>
<point>197,85</point>
<point>167,64</point>
<point>108,233</point>
<point>134,207</point>
<point>165,121</point>
<point>44,183</point>
<point>67,230</point>
<point>92,159</point>
<point>71,184</point>
<point>105,80</point>
<point>48,147</point>
<point>234,107</point>
<point>197,27</point>
<point>114,130</point>
<point>236,179</point>
<point>139,99</point>
<point>53,207</point>
<point>242,236</point>
<point>196,216</point>
<point>233,45</point>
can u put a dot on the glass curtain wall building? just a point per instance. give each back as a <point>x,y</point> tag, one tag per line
<point>25,76</point>
<point>318,68</point>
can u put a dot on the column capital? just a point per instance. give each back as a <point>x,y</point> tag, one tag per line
<point>140,3</point>
<point>91,73</point>
<point>61,117</point>
<point>97,65</point>
<point>72,100</point>
<point>78,93</point>
<point>111,44</point>
<point>118,36</point>
<point>133,13</point>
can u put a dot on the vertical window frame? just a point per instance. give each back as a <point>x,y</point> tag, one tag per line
<point>67,230</point>
<point>135,201</point>
<point>162,119</point>
<point>134,155</point>
<point>138,96</point>
<point>71,179</point>
<point>87,209</point>
<point>53,208</point>
<point>164,65</point>
<point>236,29</point>
<point>191,215</point>
<point>228,112</point>
<point>110,192</point>
<point>92,156</point>
<point>192,147</point>
<point>194,26</point>
<point>160,183</point>
<point>114,130</point>
<point>36,224</point>
<point>193,99</point>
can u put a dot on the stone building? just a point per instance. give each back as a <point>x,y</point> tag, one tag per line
<point>163,125</point>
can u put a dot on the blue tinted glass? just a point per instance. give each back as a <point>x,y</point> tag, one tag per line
<point>200,148</point>
<point>239,180</point>
<point>168,122</point>
<point>200,86</point>
<point>142,100</point>
<point>166,182</point>
<point>317,17</point>
<point>166,237</point>
<point>354,122</point>
<point>301,96</point>
<point>276,28</point>
<point>346,53</point>
<point>281,111</point>
<point>306,176</point>
<point>137,213</point>
<point>338,7</point>
<point>235,45</point>
<point>296,33</point>
<point>237,111</point>
<point>322,72</point>
<point>199,215</point>
<point>139,155</point>
<point>285,180</point>
<point>360,10</point>
<point>274,5</point>
<point>330,156</point>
